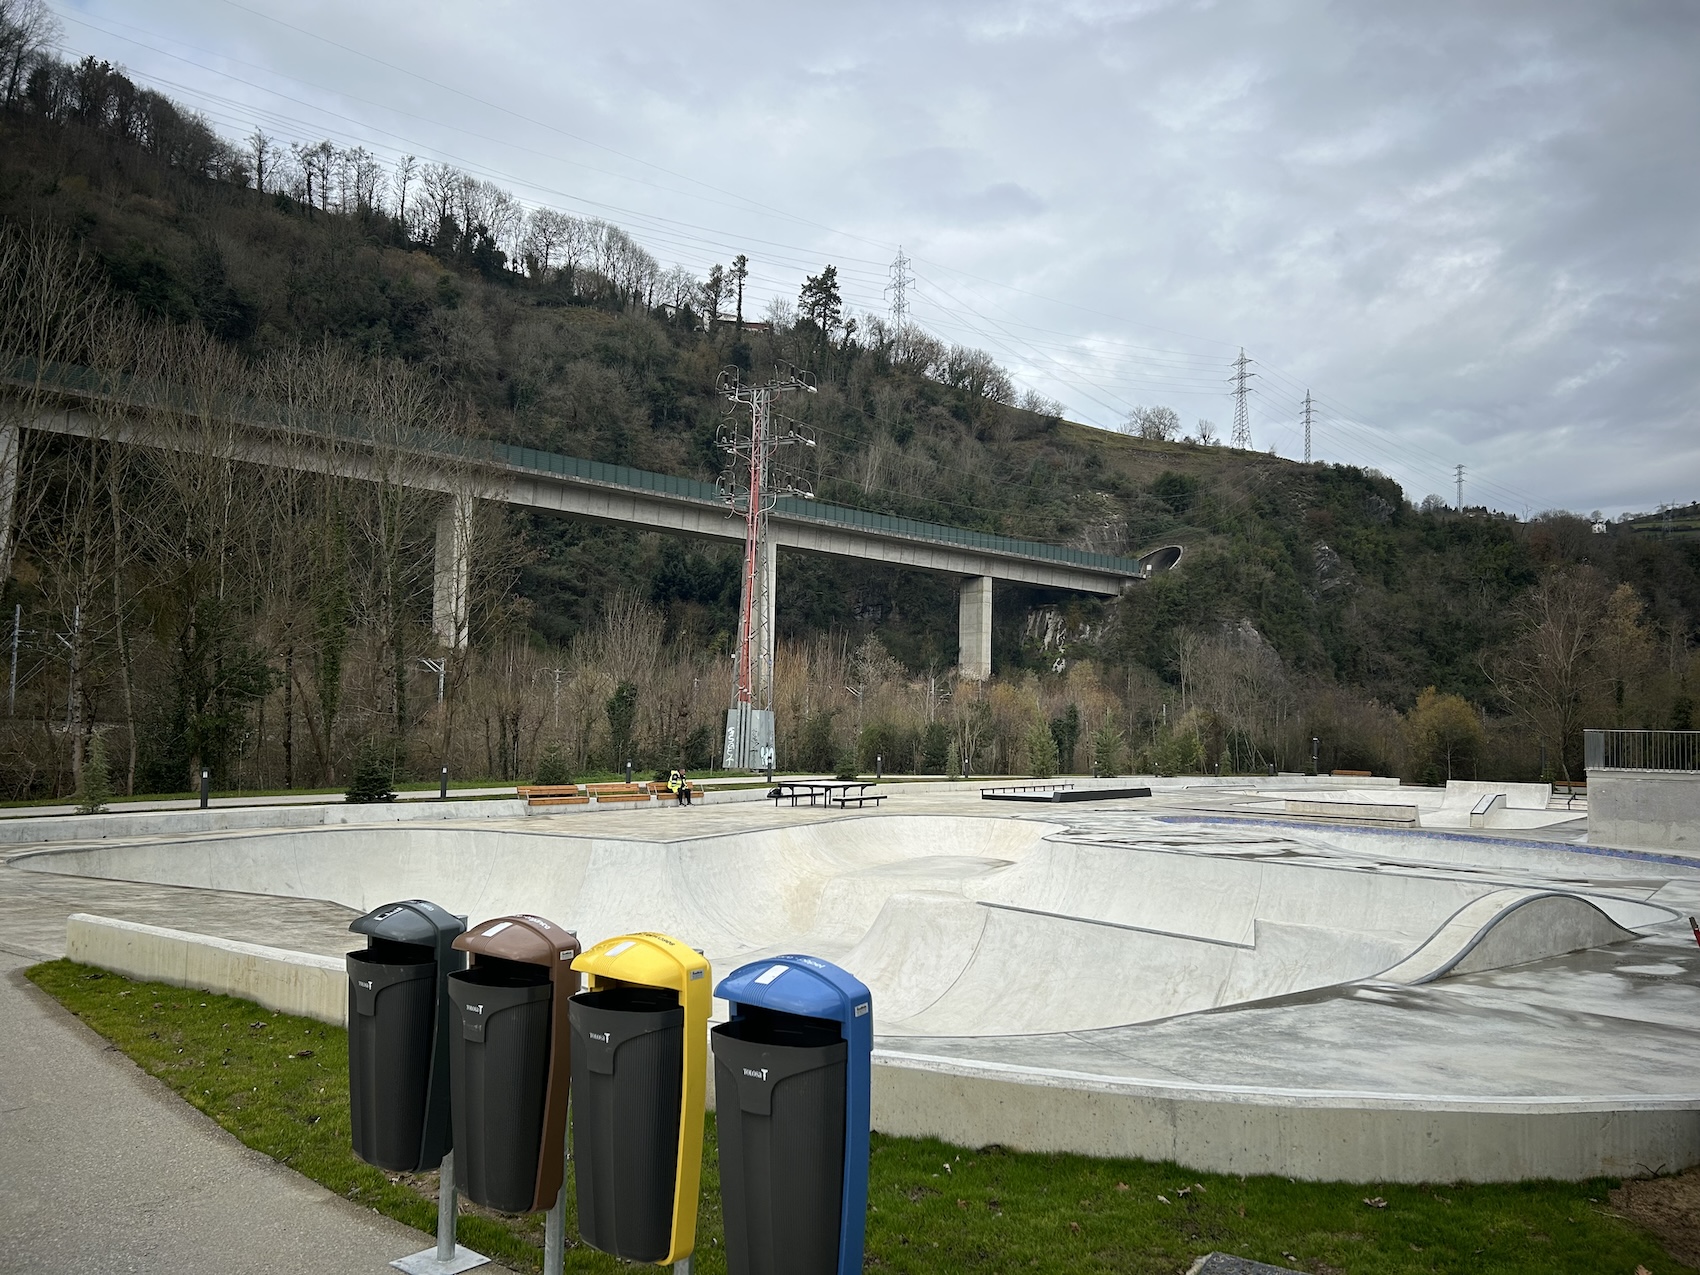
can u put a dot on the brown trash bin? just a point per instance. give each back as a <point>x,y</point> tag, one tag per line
<point>511,1061</point>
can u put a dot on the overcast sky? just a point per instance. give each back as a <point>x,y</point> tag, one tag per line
<point>1471,230</point>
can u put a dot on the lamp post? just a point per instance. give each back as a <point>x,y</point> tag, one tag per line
<point>1315,752</point>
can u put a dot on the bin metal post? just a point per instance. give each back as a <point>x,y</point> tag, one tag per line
<point>555,1234</point>
<point>448,1258</point>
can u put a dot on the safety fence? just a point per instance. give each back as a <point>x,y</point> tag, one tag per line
<point>1675,750</point>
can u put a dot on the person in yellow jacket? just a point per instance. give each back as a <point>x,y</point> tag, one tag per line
<point>679,786</point>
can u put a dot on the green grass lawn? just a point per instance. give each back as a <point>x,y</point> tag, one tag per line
<point>280,1084</point>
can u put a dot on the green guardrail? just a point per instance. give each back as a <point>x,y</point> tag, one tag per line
<point>130,391</point>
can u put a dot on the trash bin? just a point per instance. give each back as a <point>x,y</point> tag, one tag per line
<point>398,1035</point>
<point>509,1059</point>
<point>640,1063</point>
<point>791,1101</point>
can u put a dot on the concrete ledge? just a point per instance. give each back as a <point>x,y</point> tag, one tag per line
<point>1353,811</point>
<point>1318,1137</point>
<point>289,982</point>
<point>162,823</point>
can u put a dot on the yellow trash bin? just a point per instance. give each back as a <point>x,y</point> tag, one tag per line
<point>640,1065</point>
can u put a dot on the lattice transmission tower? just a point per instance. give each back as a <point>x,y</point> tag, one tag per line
<point>1242,408</point>
<point>1307,426</point>
<point>751,483</point>
<point>898,291</point>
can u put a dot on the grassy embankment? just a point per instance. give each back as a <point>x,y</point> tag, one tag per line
<point>280,1084</point>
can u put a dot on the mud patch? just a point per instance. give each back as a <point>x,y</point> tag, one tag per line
<point>1669,1208</point>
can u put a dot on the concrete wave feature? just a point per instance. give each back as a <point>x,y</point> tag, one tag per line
<point>1505,929</point>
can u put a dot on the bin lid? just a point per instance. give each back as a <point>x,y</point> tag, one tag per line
<point>525,938</point>
<point>650,959</point>
<point>803,985</point>
<point>409,921</point>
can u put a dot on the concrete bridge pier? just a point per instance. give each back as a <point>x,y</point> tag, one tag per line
<point>974,629</point>
<point>452,579</point>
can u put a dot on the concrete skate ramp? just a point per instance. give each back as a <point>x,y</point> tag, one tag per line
<point>1506,928</point>
<point>961,926</point>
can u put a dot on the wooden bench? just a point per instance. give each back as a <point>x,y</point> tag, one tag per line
<point>552,795</point>
<point>605,793</point>
<point>1353,774</point>
<point>664,793</point>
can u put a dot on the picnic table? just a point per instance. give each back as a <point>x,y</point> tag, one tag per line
<point>830,792</point>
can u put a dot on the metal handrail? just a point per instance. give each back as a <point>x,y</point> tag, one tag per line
<point>1669,750</point>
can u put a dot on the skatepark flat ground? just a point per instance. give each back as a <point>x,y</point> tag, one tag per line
<point>1190,946</point>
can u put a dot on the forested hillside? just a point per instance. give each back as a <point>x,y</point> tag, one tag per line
<point>1312,599</point>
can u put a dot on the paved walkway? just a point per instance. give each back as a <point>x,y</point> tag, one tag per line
<point>105,1170</point>
<point>34,905</point>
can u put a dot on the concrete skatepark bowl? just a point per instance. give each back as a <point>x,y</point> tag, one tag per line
<point>1321,1001</point>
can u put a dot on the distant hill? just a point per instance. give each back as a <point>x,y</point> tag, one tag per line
<point>1331,568</point>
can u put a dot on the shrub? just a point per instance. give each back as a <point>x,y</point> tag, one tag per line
<point>96,788</point>
<point>374,777</point>
<point>1041,751</point>
<point>846,768</point>
<point>936,750</point>
<point>817,751</point>
<point>552,767</point>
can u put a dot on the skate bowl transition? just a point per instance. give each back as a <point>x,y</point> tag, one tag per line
<point>1130,985</point>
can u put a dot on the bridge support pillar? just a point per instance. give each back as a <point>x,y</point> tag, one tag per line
<point>453,575</point>
<point>974,629</point>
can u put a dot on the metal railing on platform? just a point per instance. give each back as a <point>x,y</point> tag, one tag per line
<point>1641,750</point>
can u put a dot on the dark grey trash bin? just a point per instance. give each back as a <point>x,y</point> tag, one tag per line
<point>779,1096</point>
<point>628,1049</point>
<point>398,1028</point>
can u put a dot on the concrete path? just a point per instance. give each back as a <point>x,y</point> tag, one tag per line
<point>105,1170</point>
<point>34,905</point>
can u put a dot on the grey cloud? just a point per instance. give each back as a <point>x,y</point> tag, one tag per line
<point>1470,225</point>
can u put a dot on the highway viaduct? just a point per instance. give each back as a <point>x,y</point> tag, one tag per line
<point>616,494</point>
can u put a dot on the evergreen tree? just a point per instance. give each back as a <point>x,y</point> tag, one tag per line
<point>1041,751</point>
<point>374,777</point>
<point>552,767</point>
<point>96,789</point>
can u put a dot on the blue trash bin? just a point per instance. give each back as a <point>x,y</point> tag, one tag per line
<point>791,1093</point>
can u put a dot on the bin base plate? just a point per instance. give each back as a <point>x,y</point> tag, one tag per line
<point>425,1262</point>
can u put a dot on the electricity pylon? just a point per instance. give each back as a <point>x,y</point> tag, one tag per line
<point>1307,426</point>
<point>1242,411</point>
<point>750,487</point>
<point>898,290</point>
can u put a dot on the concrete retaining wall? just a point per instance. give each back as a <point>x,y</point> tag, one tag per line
<point>1651,810</point>
<point>289,982</point>
<point>1317,1137</point>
